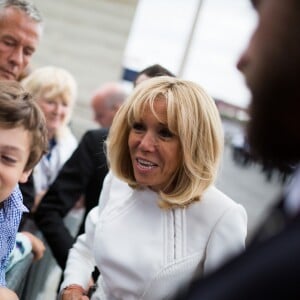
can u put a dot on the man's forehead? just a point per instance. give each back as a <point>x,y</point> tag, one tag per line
<point>15,18</point>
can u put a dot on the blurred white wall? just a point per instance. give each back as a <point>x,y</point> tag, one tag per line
<point>88,38</point>
<point>203,47</point>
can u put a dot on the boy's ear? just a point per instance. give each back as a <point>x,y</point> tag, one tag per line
<point>24,176</point>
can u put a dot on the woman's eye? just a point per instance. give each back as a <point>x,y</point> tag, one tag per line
<point>166,133</point>
<point>50,101</point>
<point>138,126</point>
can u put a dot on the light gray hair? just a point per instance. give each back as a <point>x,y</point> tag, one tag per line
<point>25,6</point>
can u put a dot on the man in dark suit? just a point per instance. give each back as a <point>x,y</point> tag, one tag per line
<point>270,266</point>
<point>81,176</point>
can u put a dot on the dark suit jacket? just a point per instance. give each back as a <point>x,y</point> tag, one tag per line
<point>28,193</point>
<point>268,269</point>
<point>27,190</point>
<point>82,174</point>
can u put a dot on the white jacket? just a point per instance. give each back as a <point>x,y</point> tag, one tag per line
<point>144,252</point>
<point>45,172</point>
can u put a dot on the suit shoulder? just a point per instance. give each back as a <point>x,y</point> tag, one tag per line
<point>99,133</point>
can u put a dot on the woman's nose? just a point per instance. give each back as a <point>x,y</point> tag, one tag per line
<point>148,142</point>
<point>58,108</point>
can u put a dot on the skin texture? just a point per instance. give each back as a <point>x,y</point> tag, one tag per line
<point>141,78</point>
<point>269,65</point>
<point>55,110</point>
<point>103,114</point>
<point>19,37</point>
<point>104,105</point>
<point>38,247</point>
<point>14,155</point>
<point>154,150</point>
<point>75,292</point>
<point>6,294</point>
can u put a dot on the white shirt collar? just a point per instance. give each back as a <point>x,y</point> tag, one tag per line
<point>292,194</point>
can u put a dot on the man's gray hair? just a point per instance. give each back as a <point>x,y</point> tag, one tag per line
<point>25,6</point>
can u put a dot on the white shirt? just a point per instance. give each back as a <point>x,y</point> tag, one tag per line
<point>46,170</point>
<point>145,252</point>
<point>292,192</point>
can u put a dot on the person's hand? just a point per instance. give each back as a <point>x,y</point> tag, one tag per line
<point>38,247</point>
<point>7,294</point>
<point>80,203</point>
<point>37,200</point>
<point>74,292</point>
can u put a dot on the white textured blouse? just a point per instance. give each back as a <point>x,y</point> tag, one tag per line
<point>145,252</point>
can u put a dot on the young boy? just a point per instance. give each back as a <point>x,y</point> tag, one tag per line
<point>23,140</point>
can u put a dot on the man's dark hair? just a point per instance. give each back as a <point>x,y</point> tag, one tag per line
<point>154,71</point>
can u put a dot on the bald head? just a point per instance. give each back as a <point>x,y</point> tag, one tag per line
<point>106,101</point>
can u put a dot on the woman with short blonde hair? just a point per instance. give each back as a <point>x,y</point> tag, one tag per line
<point>51,83</point>
<point>159,216</point>
<point>55,91</point>
<point>194,119</point>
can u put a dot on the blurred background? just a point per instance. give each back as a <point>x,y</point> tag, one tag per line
<point>199,40</point>
<point>103,40</point>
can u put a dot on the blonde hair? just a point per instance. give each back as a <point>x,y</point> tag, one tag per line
<point>192,116</point>
<point>51,82</point>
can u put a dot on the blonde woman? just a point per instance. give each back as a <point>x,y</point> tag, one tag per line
<point>159,216</point>
<point>55,91</point>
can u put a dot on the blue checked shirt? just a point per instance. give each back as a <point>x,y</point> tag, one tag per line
<point>10,217</point>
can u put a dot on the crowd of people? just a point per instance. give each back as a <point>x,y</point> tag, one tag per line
<point>154,225</point>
